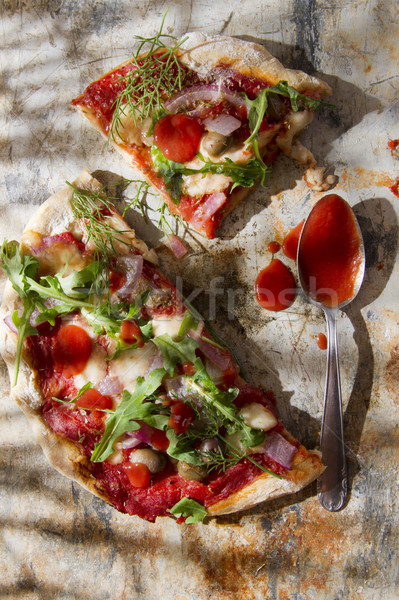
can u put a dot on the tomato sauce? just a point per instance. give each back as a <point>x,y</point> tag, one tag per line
<point>273,247</point>
<point>291,241</point>
<point>275,286</point>
<point>330,251</point>
<point>321,341</point>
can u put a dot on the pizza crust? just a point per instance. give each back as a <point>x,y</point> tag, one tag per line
<point>55,216</point>
<point>202,52</point>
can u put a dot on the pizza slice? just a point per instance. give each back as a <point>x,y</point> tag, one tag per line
<point>124,385</point>
<point>202,121</point>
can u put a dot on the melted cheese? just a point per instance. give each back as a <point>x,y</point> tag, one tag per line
<point>131,364</point>
<point>296,122</point>
<point>95,370</point>
<point>169,325</point>
<point>199,185</point>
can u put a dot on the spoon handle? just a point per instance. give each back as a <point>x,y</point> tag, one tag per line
<point>333,482</point>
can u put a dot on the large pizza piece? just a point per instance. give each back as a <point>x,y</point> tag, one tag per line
<point>123,383</point>
<point>204,120</point>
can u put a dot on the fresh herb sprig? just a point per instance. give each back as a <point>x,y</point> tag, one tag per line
<point>154,78</point>
<point>139,202</point>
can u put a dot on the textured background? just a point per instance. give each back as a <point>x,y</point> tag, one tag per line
<point>59,542</point>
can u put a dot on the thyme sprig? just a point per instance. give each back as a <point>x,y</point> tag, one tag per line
<point>154,77</point>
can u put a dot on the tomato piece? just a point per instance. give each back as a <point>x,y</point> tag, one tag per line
<point>72,350</point>
<point>178,137</point>
<point>138,475</point>
<point>93,399</point>
<point>116,280</point>
<point>188,368</point>
<point>130,333</point>
<point>181,417</point>
<point>159,440</point>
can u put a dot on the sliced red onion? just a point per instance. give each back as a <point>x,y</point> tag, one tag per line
<point>176,245</point>
<point>9,322</point>
<point>156,362</point>
<point>144,434</point>
<point>176,387</point>
<point>130,442</point>
<point>223,124</point>
<point>202,93</point>
<point>221,358</point>
<point>206,210</point>
<point>279,449</point>
<point>110,386</point>
<point>132,268</point>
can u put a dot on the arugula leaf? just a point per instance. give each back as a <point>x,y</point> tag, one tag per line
<point>244,175</point>
<point>191,509</point>
<point>174,352</point>
<point>24,329</point>
<point>258,107</point>
<point>79,284</point>
<point>181,448</point>
<point>223,403</point>
<point>132,408</point>
<point>17,266</point>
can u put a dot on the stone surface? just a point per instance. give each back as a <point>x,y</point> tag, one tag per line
<point>59,542</point>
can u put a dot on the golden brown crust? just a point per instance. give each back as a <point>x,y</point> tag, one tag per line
<point>202,52</point>
<point>55,216</point>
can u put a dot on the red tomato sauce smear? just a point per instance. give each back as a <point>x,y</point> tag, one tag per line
<point>330,251</point>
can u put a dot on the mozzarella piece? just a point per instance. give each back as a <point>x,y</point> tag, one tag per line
<point>95,369</point>
<point>296,122</point>
<point>199,184</point>
<point>170,325</point>
<point>258,417</point>
<point>131,364</point>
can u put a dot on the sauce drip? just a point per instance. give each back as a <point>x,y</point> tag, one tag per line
<point>321,341</point>
<point>330,252</point>
<point>291,241</point>
<point>275,286</point>
<point>273,247</point>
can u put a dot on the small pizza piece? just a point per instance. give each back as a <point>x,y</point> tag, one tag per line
<point>203,121</point>
<point>124,386</point>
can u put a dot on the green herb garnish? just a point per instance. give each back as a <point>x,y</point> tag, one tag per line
<point>191,509</point>
<point>154,78</point>
<point>132,408</point>
<point>244,175</point>
<point>258,108</point>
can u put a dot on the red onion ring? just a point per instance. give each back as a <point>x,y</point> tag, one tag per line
<point>205,93</point>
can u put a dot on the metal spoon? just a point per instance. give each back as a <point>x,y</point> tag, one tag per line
<point>333,482</point>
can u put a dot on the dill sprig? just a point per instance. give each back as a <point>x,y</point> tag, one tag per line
<point>154,77</point>
<point>139,202</point>
<point>92,209</point>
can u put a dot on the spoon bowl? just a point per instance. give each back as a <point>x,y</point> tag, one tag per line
<point>331,265</point>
